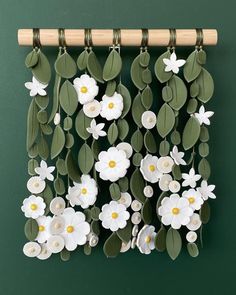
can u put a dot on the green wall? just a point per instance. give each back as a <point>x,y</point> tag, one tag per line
<point>132,273</point>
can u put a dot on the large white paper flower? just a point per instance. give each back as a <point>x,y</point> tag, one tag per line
<point>146,238</point>
<point>194,198</point>
<point>111,106</point>
<point>36,185</point>
<point>114,216</point>
<point>149,170</point>
<point>173,64</point>
<point>44,171</point>
<point>112,164</point>
<point>195,222</point>
<point>206,190</point>
<point>96,129</point>
<point>92,109</point>
<point>36,87</point>
<point>31,249</point>
<point>86,88</point>
<point>44,224</point>
<point>177,156</point>
<point>203,117</point>
<point>33,207</point>
<point>76,229</point>
<point>175,211</point>
<point>148,119</point>
<point>165,164</point>
<point>84,193</point>
<point>191,178</point>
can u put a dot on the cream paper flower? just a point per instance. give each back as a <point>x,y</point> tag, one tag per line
<point>125,199</point>
<point>76,229</point>
<point>165,164</point>
<point>203,117</point>
<point>36,185</point>
<point>191,178</point>
<point>206,190</point>
<point>33,207</point>
<point>96,129</point>
<point>93,240</point>
<point>194,198</point>
<point>92,109</point>
<point>114,216</point>
<point>111,106</point>
<point>57,225</point>
<point>165,182</point>
<point>112,164</point>
<point>55,243</point>
<point>148,191</point>
<point>146,238</point>
<point>136,205</point>
<point>126,147</point>
<point>177,156</point>
<point>175,211</point>
<point>148,119</point>
<point>86,88</point>
<point>195,222</point>
<point>57,205</point>
<point>43,224</point>
<point>31,249</point>
<point>84,193</point>
<point>173,64</point>
<point>45,252</point>
<point>136,218</point>
<point>149,170</point>
<point>191,236</point>
<point>36,87</point>
<point>174,186</point>
<point>44,171</point>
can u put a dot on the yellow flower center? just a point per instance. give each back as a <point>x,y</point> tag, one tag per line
<point>152,168</point>
<point>84,89</point>
<point>41,228</point>
<point>191,200</point>
<point>114,215</point>
<point>84,191</point>
<point>70,229</point>
<point>175,211</point>
<point>33,207</point>
<point>111,105</point>
<point>112,164</point>
<point>148,239</point>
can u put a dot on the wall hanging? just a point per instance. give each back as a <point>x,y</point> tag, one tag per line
<point>110,166</point>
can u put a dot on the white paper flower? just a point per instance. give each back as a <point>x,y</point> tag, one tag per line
<point>125,247</point>
<point>96,129</point>
<point>44,171</point>
<point>175,211</point>
<point>136,218</point>
<point>31,249</point>
<point>36,87</point>
<point>57,225</point>
<point>86,88</point>
<point>112,164</point>
<point>148,119</point>
<point>57,119</point>
<point>33,207</point>
<point>76,229</point>
<point>191,236</point>
<point>173,64</point>
<point>165,164</point>
<point>45,252</point>
<point>136,205</point>
<point>146,239</point>
<point>111,106</point>
<point>36,185</point>
<point>203,117</point>
<point>195,222</point>
<point>93,240</point>
<point>125,199</point>
<point>126,147</point>
<point>114,216</point>
<point>84,193</point>
<point>194,198</point>
<point>174,186</point>
<point>92,109</point>
<point>206,190</point>
<point>43,233</point>
<point>148,191</point>
<point>191,178</point>
<point>177,156</point>
<point>148,168</point>
<point>133,243</point>
<point>57,205</point>
<point>135,230</point>
<point>165,182</point>
<point>56,243</point>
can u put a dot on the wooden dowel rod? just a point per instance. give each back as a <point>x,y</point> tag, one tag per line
<point>100,37</point>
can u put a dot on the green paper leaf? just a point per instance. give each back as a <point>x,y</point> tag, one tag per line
<point>192,249</point>
<point>112,66</point>
<point>31,59</point>
<point>137,140</point>
<point>137,190</point>
<point>124,92</point>
<point>192,106</point>
<point>43,149</point>
<point>112,246</point>
<point>95,149</point>
<point>47,197</point>
<point>32,124</point>
<point>203,149</point>
<point>42,117</point>
<point>204,134</point>
<point>136,73</point>
<point>42,101</point>
<point>85,159</point>
<point>95,211</point>
<point>67,124</point>
<point>206,86</point>
<point>61,166</point>
<point>58,142</point>
<point>59,186</point>
<point>82,60</point>
<point>137,110</point>
<point>179,92</point>
<point>173,243</point>
<point>159,68</point>
<point>82,122</point>
<point>160,240</point>
<point>167,93</point>
<point>176,172</point>
<point>114,190</point>
<point>147,76</point>
<point>164,148</point>
<point>175,137</point>
<point>137,158</point>
<point>146,212</point>
<point>125,234</point>
<point>192,68</point>
<point>147,97</point>
<point>191,133</point>
<point>72,168</point>
<point>112,133</point>
<point>42,70</point>
<point>94,67</point>
<point>111,88</point>
<point>144,59</point>
<point>194,89</point>
<point>65,255</point>
<point>31,229</point>
<point>87,213</point>
<point>68,98</point>
<point>65,66</point>
<point>32,164</point>
<point>95,227</point>
<point>123,128</point>
<point>205,212</point>
<point>123,184</point>
<point>204,168</point>
<point>87,249</point>
<point>69,140</point>
<point>158,204</point>
<point>46,129</point>
<point>149,142</point>
<point>201,57</point>
<point>165,120</point>
<point>33,151</point>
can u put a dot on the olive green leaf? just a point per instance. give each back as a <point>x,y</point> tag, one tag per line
<point>85,159</point>
<point>191,133</point>
<point>137,140</point>
<point>112,133</point>
<point>31,229</point>
<point>72,168</point>
<point>65,66</point>
<point>47,196</point>
<point>176,172</point>
<point>94,67</point>
<point>58,141</point>
<point>205,212</point>
<point>167,93</point>
<point>82,122</point>
<point>203,149</point>
<point>158,204</point>
<point>32,124</point>
<point>112,246</point>
<point>112,66</point>
<point>43,149</point>
<point>87,213</point>
<point>46,129</point>
<point>147,97</point>
<point>192,249</point>
<point>114,190</point>
<point>192,68</point>
<point>137,110</point>
<point>160,240</point>
<point>55,101</point>
<point>68,98</point>
<point>149,142</point>
<point>192,106</point>
<point>69,140</point>
<point>173,243</point>
<point>110,88</point>
<point>42,116</point>
<point>125,234</point>
<point>147,76</point>
<point>42,70</point>
<point>42,101</point>
<point>146,212</point>
<point>95,227</point>
<point>32,164</point>
<point>123,184</point>
<point>137,158</point>
<point>206,86</point>
<point>82,60</point>
<point>204,168</point>
<point>123,128</point>
<point>136,73</point>
<point>59,186</point>
<point>95,211</point>
<point>31,59</point>
<point>67,124</point>
<point>144,59</point>
<point>194,89</point>
<point>87,249</point>
<point>175,137</point>
<point>124,92</point>
<point>159,68</point>
<point>61,166</point>
<point>201,57</point>
<point>65,255</point>
<point>179,92</point>
<point>164,148</point>
<point>95,149</point>
<point>33,151</point>
<point>137,190</point>
<point>165,120</point>
<point>204,134</point>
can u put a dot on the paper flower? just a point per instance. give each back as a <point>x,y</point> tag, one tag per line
<point>93,240</point>
<point>57,225</point>
<point>136,205</point>
<point>165,182</point>
<point>114,216</point>
<point>36,185</point>
<point>177,156</point>
<point>191,178</point>
<point>76,229</point>
<point>136,218</point>
<point>43,233</point>
<point>57,119</point>
<point>125,247</point>
<point>195,222</point>
<point>175,211</point>
<point>135,230</point>
<point>96,129</point>
<point>148,119</point>
<point>31,249</point>
<point>44,171</point>
<point>194,198</point>
<point>173,64</point>
<point>148,168</point>
<point>203,117</point>
<point>36,87</point>
<point>45,252</point>
<point>125,199</point>
<point>84,193</point>
<point>57,205</point>
<point>145,239</point>
<point>111,106</point>
<point>56,243</point>
<point>206,190</point>
<point>86,88</point>
<point>174,186</point>
<point>126,147</point>
<point>33,207</point>
<point>165,164</point>
<point>112,164</point>
<point>148,191</point>
<point>191,237</point>
<point>92,109</point>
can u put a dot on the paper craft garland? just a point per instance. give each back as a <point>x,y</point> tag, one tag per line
<point>81,147</point>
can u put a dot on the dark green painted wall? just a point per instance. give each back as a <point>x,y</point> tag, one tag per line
<point>132,273</point>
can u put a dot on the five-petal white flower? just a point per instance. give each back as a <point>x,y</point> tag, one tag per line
<point>206,190</point>
<point>203,117</point>
<point>44,171</point>
<point>194,198</point>
<point>191,178</point>
<point>36,87</point>
<point>173,64</point>
<point>145,239</point>
<point>177,156</point>
<point>96,129</point>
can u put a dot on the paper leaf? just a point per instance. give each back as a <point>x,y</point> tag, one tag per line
<point>59,186</point>
<point>206,86</point>
<point>32,124</point>
<point>159,68</point>
<point>82,60</point>
<point>82,122</point>
<point>137,140</point>
<point>112,246</point>
<point>114,190</point>
<point>72,168</point>
<point>112,133</point>
<point>124,92</point>
<point>112,66</point>
<point>191,133</point>
<point>146,212</point>
<point>94,67</point>
<point>137,190</point>
<point>68,98</point>
<point>42,70</point>
<point>147,97</point>
<point>136,73</point>
<point>65,66</point>
<point>58,141</point>
<point>204,169</point>
<point>150,142</point>
<point>192,249</point>
<point>192,68</point>
<point>125,234</point>
<point>173,243</point>
<point>137,110</point>
<point>85,159</point>
<point>164,148</point>
<point>160,240</point>
<point>179,92</point>
<point>123,128</point>
<point>165,120</point>
<point>31,229</point>
<point>205,212</point>
<point>32,59</point>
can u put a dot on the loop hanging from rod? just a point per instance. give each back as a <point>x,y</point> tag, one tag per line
<point>199,38</point>
<point>36,38</point>
<point>61,38</point>
<point>116,37</point>
<point>172,40</point>
<point>88,42</point>
<point>145,36</point>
